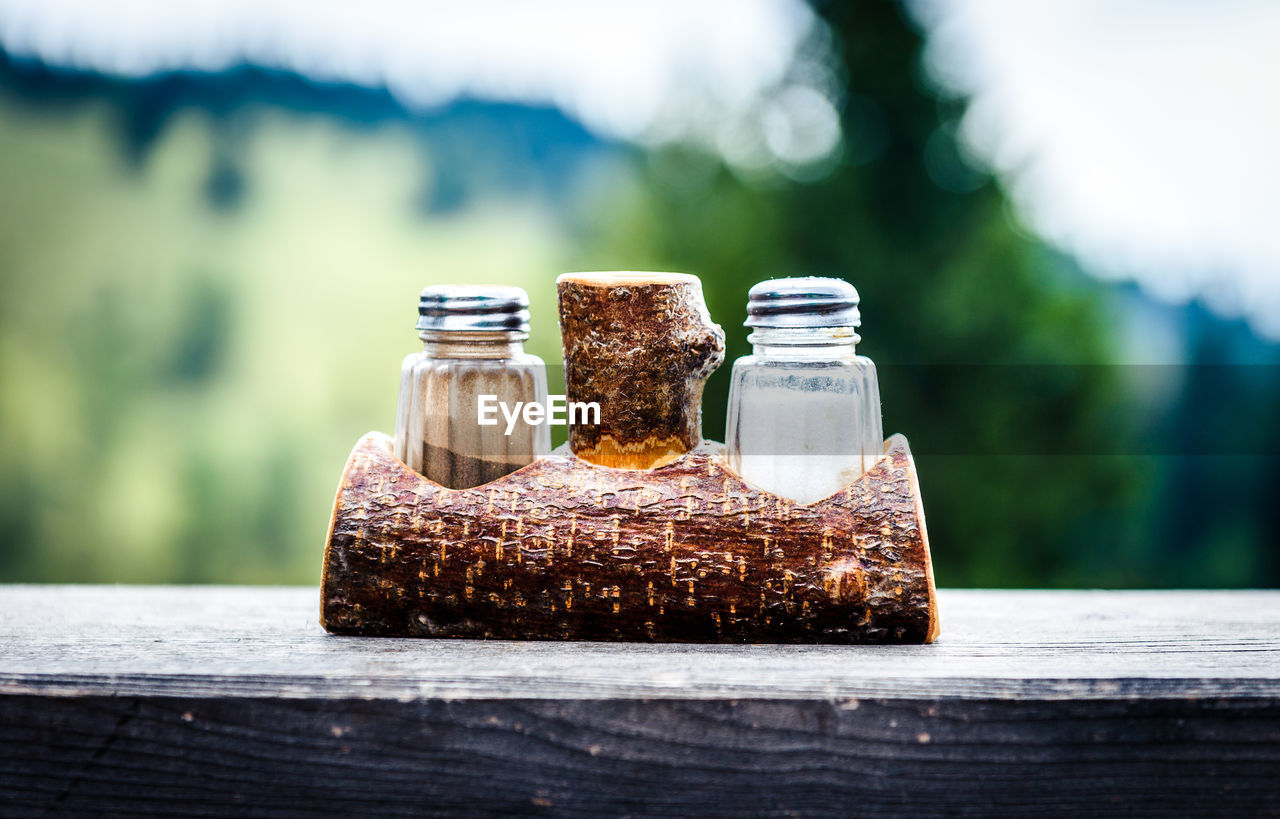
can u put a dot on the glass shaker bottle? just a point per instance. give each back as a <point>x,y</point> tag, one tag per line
<point>804,408</point>
<point>473,345</point>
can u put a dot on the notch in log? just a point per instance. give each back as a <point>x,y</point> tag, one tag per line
<point>642,346</point>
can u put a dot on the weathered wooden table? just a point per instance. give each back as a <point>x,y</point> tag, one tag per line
<point>207,700</point>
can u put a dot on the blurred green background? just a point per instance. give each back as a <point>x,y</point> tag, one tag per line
<point>209,281</point>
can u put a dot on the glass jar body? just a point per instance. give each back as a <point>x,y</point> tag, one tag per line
<point>804,413</point>
<point>438,431</point>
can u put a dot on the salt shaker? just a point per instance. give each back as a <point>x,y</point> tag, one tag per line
<point>473,351</point>
<point>804,408</point>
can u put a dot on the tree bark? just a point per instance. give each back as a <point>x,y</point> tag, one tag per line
<point>563,549</point>
<point>642,346</point>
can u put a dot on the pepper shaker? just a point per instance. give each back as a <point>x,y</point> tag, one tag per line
<point>473,346</point>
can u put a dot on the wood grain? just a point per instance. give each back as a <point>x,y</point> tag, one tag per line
<point>688,552</point>
<point>234,701</point>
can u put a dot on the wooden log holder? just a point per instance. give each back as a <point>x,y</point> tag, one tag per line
<point>637,529</point>
<point>687,552</point>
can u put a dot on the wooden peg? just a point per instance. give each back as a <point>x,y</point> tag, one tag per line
<point>642,346</point>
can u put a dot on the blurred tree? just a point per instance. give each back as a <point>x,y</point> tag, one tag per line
<point>947,282</point>
<point>175,403</point>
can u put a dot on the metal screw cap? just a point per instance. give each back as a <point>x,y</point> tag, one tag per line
<point>473,308</point>
<point>803,301</point>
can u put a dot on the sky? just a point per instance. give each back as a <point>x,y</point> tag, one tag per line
<point>1139,136</point>
<point>656,70</point>
<point>1142,137</point>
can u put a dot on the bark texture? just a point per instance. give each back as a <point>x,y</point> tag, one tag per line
<point>688,552</point>
<point>642,345</point>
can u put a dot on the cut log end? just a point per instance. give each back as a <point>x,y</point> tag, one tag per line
<point>616,278</point>
<point>647,454</point>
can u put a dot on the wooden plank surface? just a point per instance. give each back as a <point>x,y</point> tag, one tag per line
<point>265,642</point>
<point>233,700</point>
